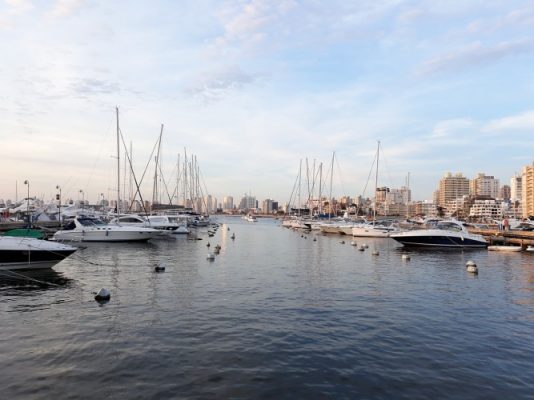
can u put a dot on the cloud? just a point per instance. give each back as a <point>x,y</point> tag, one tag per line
<point>451,127</point>
<point>91,86</point>
<point>215,85</point>
<point>520,122</point>
<point>19,6</point>
<point>472,55</point>
<point>66,8</point>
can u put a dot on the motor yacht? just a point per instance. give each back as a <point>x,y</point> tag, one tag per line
<point>88,229</point>
<point>31,253</point>
<point>451,234</point>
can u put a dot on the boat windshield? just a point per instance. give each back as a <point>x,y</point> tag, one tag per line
<point>449,226</point>
<point>90,221</point>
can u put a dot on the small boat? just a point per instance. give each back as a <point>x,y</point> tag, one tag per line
<point>530,248</point>
<point>30,253</point>
<point>504,248</point>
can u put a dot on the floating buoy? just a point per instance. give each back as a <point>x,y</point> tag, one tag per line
<point>375,253</point>
<point>342,242</point>
<point>471,267</point>
<point>208,245</point>
<point>159,268</point>
<point>365,245</point>
<point>405,257</point>
<point>228,228</point>
<point>218,247</point>
<point>361,248</point>
<point>233,236</point>
<point>211,256</point>
<point>314,239</point>
<point>353,243</point>
<point>103,295</point>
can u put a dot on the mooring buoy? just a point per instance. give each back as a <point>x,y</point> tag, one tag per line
<point>103,295</point>
<point>159,268</point>
<point>471,267</point>
<point>405,257</point>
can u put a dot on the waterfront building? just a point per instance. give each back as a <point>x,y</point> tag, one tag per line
<point>484,185</point>
<point>505,193</point>
<point>267,206</point>
<point>458,207</point>
<point>527,193</point>
<point>452,187</point>
<point>487,209</point>
<point>228,203</point>
<point>425,207</point>
<point>248,203</point>
<point>516,188</point>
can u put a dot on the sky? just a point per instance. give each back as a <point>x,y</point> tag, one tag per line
<point>251,88</point>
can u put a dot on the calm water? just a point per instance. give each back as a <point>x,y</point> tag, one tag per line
<point>274,316</point>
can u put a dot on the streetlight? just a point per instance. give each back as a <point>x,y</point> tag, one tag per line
<point>58,197</point>
<point>26,182</point>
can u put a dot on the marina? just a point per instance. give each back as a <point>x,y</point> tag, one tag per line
<point>275,314</point>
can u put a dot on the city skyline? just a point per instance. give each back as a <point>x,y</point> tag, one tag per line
<point>253,87</point>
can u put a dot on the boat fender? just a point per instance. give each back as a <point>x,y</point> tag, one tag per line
<point>406,257</point>
<point>375,253</point>
<point>103,295</point>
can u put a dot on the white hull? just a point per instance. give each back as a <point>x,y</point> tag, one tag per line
<point>105,236</point>
<point>505,248</point>
<point>370,231</point>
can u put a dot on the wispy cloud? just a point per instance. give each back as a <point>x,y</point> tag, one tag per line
<point>474,55</point>
<point>520,122</point>
<point>214,85</point>
<point>65,8</point>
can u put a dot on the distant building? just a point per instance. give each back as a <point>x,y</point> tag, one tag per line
<point>452,187</point>
<point>247,203</point>
<point>228,203</point>
<point>267,206</point>
<point>505,193</point>
<point>527,193</point>
<point>486,186</point>
<point>516,187</point>
<point>486,209</point>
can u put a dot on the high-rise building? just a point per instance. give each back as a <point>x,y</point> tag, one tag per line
<point>228,203</point>
<point>527,194</point>
<point>267,206</point>
<point>452,187</point>
<point>484,186</point>
<point>515,188</point>
<point>505,193</point>
<point>247,203</point>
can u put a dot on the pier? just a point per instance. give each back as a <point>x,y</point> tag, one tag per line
<point>495,236</point>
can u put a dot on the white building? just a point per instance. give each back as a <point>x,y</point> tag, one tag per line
<point>487,209</point>
<point>484,185</point>
<point>228,203</point>
<point>516,188</point>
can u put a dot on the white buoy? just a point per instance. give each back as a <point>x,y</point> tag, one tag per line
<point>405,257</point>
<point>103,295</point>
<point>211,256</point>
<point>365,245</point>
<point>471,267</point>
<point>375,253</point>
<point>361,248</point>
<point>159,268</point>
<point>353,243</point>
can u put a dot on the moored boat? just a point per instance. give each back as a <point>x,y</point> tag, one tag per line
<point>31,253</point>
<point>446,234</point>
<point>504,248</point>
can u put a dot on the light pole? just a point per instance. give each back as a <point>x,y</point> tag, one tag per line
<point>26,182</point>
<point>58,197</point>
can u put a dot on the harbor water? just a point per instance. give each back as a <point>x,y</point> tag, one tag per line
<point>276,315</point>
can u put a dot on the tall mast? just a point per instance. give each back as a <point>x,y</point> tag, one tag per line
<point>331,179</point>
<point>155,188</point>
<point>376,181</point>
<point>118,165</point>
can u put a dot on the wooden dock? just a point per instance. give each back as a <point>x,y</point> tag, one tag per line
<point>495,236</point>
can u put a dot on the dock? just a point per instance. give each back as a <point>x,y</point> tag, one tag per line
<point>495,236</point>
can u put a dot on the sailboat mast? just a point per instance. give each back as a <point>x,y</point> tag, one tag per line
<point>331,179</point>
<point>376,181</point>
<point>118,165</point>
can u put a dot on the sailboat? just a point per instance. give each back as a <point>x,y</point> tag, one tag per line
<point>88,229</point>
<point>381,229</point>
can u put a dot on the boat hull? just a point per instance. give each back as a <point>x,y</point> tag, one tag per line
<point>105,236</point>
<point>30,253</point>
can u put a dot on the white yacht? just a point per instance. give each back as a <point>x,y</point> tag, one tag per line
<point>30,253</point>
<point>87,229</point>
<point>449,234</point>
<point>377,230</point>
